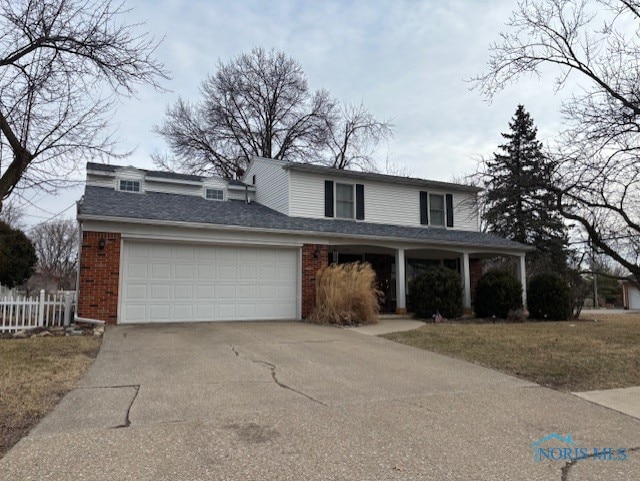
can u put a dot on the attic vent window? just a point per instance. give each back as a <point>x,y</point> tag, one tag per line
<point>214,194</point>
<point>130,185</point>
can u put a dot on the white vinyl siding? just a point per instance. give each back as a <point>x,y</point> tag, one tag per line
<point>169,188</point>
<point>465,211</point>
<point>272,183</point>
<point>306,195</point>
<point>385,203</point>
<point>101,181</point>
<point>240,194</point>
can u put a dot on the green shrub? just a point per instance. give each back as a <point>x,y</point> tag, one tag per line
<point>497,293</point>
<point>346,295</point>
<point>549,297</point>
<point>438,290</point>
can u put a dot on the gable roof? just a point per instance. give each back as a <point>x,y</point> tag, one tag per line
<point>373,176</point>
<point>94,166</point>
<point>103,203</point>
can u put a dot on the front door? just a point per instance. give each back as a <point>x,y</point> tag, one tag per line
<point>382,265</point>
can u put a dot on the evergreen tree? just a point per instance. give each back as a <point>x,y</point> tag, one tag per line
<point>17,256</point>
<point>519,204</point>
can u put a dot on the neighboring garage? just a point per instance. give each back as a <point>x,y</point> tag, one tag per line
<point>170,282</point>
<point>631,295</point>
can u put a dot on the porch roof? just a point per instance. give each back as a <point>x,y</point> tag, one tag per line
<point>102,203</point>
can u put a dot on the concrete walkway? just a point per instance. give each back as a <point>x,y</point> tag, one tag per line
<point>293,401</point>
<point>625,400</point>
<point>594,312</point>
<point>386,325</point>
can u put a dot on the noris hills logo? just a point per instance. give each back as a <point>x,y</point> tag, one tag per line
<point>569,451</point>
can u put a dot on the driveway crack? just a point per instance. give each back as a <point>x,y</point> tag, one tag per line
<point>564,472</point>
<point>127,420</point>
<point>273,368</point>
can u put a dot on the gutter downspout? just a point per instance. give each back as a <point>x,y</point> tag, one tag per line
<point>88,321</point>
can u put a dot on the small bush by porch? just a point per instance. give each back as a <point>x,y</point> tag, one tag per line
<point>436,292</point>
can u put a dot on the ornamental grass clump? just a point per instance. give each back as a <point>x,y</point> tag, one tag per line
<point>346,295</point>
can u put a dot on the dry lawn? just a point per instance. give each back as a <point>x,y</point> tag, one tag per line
<point>574,356</point>
<point>34,375</point>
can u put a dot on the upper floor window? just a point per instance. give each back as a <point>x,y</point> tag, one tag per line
<point>214,194</point>
<point>130,185</point>
<point>436,209</point>
<point>344,201</point>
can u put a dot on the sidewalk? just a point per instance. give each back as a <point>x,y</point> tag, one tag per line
<point>388,324</point>
<point>625,400</point>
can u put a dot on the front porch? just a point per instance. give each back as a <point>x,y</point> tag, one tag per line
<point>396,267</point>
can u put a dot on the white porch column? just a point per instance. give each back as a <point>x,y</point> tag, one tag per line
<point>401,295</point>
<point>466,279</point>
<point>522,277</point>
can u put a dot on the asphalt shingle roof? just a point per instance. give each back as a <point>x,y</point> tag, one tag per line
<point>106,202</point>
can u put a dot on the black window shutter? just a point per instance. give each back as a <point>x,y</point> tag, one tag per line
<point>424,213</point>
<point>359,202</point>
<point>449,199</point>
<point>328,198</point>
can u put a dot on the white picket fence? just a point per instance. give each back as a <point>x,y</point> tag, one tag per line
<point>46,310</point>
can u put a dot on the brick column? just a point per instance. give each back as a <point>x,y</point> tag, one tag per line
<point>99,276</point>
<point>314,256</point>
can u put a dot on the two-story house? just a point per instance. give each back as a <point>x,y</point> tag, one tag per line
<point>165,247</point>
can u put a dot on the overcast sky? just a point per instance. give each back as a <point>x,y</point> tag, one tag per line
<point>406,60</point>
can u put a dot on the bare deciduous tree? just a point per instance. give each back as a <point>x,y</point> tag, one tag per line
<point>354,136</point>
<point>56,244</point>
<point>63,64</point>
<point>594,43</point>
<point>259,104</point>
<point>12,215</point>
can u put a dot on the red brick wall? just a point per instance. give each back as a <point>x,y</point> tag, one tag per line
<point>314,256</point>
<point>475,273</point>
<point>99,277</point>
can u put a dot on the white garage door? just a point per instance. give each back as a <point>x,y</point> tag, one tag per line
<point>164,282</point>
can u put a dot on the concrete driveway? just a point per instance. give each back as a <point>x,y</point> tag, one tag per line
<point>256,401</point>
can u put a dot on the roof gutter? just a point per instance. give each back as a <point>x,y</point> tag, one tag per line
<point>233,228</point>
